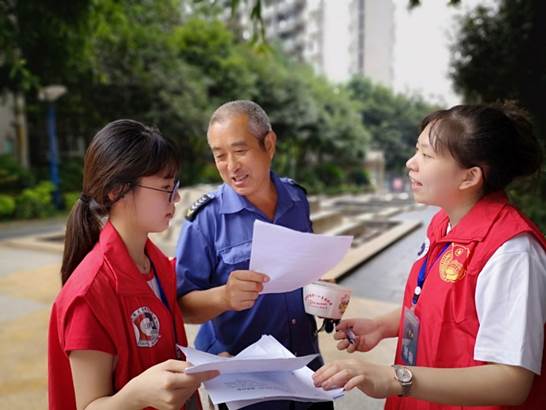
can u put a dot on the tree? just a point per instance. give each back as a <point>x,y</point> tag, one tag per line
<point>138,73</point>
<point>161,64</point>
<point>132,70</point>
<point>417,3</point>
<point>500,53</point>
<point>393,120</point>
<point>41,41</point>
<point>316,122</point>
<point>210,47</point>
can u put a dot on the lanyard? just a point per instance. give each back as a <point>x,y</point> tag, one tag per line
<point>423,274</point>
<point>165,301</point>
<point>160,288</point>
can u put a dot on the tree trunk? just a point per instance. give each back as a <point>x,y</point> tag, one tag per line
<point>21,130</point>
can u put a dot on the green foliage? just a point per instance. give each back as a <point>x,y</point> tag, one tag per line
<point>315,122</point>
<point>41,41</point>
<point>530,196</point>
<point>35,202</point>
<point>329,174</point>
<point>171,65</point>
<point>393,120</point>
<point>7,206</point>
<point>12,176</point>
<point>70,198</point>
<point>71,174</point>
<point>416,3</point>
<point>500,54</point>
<point>359,177</point>
<point>209,174</point>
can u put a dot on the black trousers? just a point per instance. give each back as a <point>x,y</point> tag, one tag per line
<point>323,405</point>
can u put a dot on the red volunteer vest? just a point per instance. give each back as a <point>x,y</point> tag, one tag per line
<point>119,297</point>
<point>446,306</point>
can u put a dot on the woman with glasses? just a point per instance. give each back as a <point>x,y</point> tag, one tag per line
<point>115,325</point>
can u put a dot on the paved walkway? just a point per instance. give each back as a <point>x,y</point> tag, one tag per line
<point>29,281</point>
<point>23,228</point>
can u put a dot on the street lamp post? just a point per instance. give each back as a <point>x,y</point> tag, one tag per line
<point>50,94</point>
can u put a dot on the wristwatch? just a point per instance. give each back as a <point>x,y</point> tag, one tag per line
<point>404,376</point>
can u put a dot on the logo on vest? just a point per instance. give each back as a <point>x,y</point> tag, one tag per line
<point>146,327</point>
<point>452,266</point>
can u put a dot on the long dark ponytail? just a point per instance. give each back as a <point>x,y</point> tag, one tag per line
<point>119,154</point>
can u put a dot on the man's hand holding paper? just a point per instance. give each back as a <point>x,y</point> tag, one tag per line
<point>243,288</point>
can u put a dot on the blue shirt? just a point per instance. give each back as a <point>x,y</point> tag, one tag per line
<point>217,242</point>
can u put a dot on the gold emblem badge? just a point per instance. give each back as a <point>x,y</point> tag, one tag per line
<point>452,263</point>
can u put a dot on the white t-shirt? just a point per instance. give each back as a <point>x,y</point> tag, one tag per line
<point>152,283</point>
<point>511,305</point>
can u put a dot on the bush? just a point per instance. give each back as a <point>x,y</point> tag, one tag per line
<point>7,206</point>
<point>359,176</point>
<point>330,174</point>
<point>71,174</point>
<point>13,177</point>
<point>209,175</point>
<point>530,195</point>
<point>70,199</point>
<point>35,202</point>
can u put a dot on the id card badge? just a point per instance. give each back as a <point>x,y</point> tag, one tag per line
<point>410,337</point>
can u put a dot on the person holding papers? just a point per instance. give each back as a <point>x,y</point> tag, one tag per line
<point>115,329</point>
<point>214,284</point>
<point>471,327</point>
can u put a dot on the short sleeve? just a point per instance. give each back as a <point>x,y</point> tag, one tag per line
<point>82,330</point>
<point>194,261</point>
<point>511,305</point>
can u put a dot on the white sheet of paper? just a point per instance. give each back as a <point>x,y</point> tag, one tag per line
<point>242,364</point>
<point>293,259</point>
<point>305,384</point>
<point>242,389</point>
<point>267,385</point>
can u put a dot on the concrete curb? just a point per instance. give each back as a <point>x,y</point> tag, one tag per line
<point>357,256</point>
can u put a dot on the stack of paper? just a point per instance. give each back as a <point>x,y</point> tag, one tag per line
<point>264,371</point>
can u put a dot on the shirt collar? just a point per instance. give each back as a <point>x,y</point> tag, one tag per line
<point>232,202</point>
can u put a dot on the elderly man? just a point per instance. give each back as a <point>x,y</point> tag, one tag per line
<point>215,286</point>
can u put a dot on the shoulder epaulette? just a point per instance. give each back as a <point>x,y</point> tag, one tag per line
<point>292,182</point>
<point>196,207</point>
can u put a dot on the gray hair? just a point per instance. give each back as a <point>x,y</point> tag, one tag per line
<point>258,121</point>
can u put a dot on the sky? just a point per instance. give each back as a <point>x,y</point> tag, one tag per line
<point>421,46</point>
<point>421,49</point>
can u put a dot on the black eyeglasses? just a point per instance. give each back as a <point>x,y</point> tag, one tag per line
<point>171,192</point>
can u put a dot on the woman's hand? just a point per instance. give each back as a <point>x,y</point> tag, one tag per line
<point>368,333</point>
<point>376,381</point>
<point>166,386</point>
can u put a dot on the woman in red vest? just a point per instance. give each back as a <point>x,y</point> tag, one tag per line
<point>471,327</point>
<point>115,325</point>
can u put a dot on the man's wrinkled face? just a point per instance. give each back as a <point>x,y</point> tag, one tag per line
<point>243,163</point>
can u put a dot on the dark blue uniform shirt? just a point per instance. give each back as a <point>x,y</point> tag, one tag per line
<point>217,242</point>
